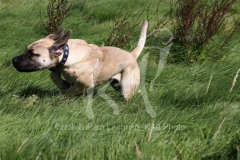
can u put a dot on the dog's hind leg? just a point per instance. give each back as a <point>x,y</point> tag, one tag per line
<point>130,81</point>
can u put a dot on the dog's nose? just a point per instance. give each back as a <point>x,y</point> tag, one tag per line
<point>14,60</point>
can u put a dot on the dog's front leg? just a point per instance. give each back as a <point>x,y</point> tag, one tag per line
<point>73,90</point>
<point>83,83</point>
<point>56,78</point>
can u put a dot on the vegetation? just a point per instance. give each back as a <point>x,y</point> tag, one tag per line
<point>56,11</point>
<point>194,24</point>
<point>197,106</point>
<point>197,22</point>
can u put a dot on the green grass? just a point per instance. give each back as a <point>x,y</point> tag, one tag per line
<point>37,123</point>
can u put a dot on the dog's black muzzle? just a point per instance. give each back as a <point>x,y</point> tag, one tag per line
<point>23,64</point>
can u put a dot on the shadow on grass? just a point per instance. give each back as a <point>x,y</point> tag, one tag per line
<point>49,92</point>
<point>40,92</point>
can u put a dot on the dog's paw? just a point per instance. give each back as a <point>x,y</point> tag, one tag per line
<point>65,85</point>
<point>62,92</point>
<point>115,84</point>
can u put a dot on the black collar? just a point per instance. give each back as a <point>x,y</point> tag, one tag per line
<point>64,58</point>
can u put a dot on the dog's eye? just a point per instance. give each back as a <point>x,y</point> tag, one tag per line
<point>35,54</point>
<point>29,53</point>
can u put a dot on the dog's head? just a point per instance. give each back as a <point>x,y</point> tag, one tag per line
<point>42,54</point>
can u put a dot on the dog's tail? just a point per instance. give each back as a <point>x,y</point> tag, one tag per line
<point>136,52</point>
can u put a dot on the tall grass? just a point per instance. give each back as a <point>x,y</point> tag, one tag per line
<point>195,118</point>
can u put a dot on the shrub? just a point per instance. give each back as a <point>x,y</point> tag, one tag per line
<point>122,31</point>
<point>57,11</point>
<point>196,22</point>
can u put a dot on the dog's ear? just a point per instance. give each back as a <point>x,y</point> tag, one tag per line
<point>64,39</point>
<point>58,46</point>
<point>57,35</point>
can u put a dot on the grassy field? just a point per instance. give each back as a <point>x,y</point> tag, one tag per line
<point>196,115</point>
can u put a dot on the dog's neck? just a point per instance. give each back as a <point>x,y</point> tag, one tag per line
<point>64,53</point>
<point>76,53</point>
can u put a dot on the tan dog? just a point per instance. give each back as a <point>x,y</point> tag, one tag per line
<point>83,65</point>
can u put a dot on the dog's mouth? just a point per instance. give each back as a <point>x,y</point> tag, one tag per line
<point>26,69</point>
